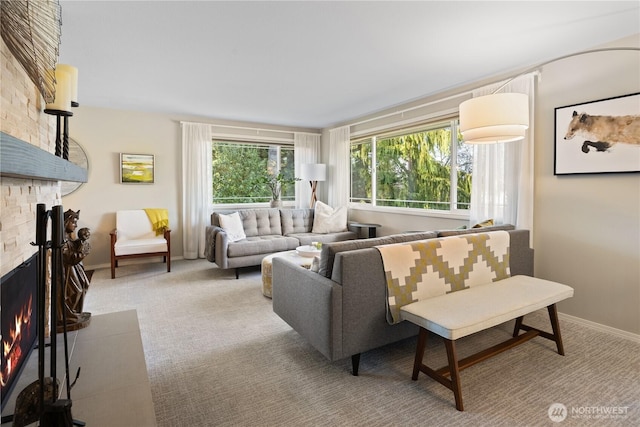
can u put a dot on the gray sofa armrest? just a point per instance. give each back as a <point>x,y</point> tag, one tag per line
<point>217,245</point>
<point>310,303</point>
<point>210,233</point>
<point>521,256</point>
<point>222,249</point>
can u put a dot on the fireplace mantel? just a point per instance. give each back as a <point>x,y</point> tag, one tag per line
<point>19,159</point>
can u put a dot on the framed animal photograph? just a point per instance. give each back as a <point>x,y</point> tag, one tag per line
<point>137,168</point>
<point>598,137</point>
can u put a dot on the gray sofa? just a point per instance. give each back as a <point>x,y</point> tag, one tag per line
<point>341,310</point>
<point>268,231</point>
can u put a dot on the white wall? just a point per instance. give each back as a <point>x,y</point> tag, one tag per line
<point>104,134</point>
<point>587,227</point>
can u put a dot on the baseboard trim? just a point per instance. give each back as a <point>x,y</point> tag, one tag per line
<point>600,327</point>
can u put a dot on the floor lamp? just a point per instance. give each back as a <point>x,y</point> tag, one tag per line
<point>313,172</point>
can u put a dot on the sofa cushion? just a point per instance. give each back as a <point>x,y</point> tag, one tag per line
<point>134,225</point>
<point>329,250</point>
<point>329,220</point>
<point>256,245</point>
<point>255,222</point>
<point>232,225</point>
<point>296,221</point>
<point>140,246</point>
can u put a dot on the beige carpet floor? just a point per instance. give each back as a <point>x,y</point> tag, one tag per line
<point>217,355</point>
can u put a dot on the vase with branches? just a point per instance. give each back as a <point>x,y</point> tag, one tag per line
<point>276,183</point>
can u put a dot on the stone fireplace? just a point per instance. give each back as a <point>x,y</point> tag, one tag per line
<point>24,125</point>
<point>22,117</point>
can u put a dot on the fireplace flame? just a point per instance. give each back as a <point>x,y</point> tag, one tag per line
<point>11,346</point>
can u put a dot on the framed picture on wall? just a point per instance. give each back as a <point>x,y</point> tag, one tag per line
<point>137,168</point>
<point>598,137</point>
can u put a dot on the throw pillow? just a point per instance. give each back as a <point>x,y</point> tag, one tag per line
<point>486,223</point>
<point>329,220</point>
<point>232,224</point>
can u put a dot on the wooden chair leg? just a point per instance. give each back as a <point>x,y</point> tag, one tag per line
<point>422,343</point>
<point>555,325</point>
<point>455,372</point>
<point>114,264</point>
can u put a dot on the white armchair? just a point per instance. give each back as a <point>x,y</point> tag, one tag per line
<point>134,237</point>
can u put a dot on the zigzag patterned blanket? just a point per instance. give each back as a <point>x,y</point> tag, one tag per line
<point>427,268</point>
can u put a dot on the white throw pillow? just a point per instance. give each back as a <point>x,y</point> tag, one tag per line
<point>232,224</point>
<point>329,220</point>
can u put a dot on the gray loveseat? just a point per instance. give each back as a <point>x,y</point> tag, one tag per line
<point>268,231</point>
<point>341,309</point>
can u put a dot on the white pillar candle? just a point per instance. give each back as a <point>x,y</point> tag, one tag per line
<point>73,73</point>
<point>62,101</point>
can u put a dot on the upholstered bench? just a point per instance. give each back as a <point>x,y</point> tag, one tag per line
<point>458,314</point>
<point>457,285</point>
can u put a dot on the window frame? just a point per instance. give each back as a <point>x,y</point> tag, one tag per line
<point>451,121</point>
<point>252,205</point>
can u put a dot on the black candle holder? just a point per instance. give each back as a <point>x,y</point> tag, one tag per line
<point>62,133</point>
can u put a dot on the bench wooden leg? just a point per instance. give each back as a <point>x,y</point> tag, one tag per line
<point>455,372</point>
<point>417,362</point>
<point>555,326</point>
<point>518,325</point>
<point>449,375</point>
<point>452,369</point>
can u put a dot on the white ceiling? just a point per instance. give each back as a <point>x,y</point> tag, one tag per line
<point>314,64</point>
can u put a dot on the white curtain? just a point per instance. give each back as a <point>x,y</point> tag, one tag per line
<point>339,172</point>
<point>502,187</point>
<point>306,150</point>
<point>196,187</point>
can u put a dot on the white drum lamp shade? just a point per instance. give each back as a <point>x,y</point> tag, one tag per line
<point>313,171</point>
<point>499,117</point>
